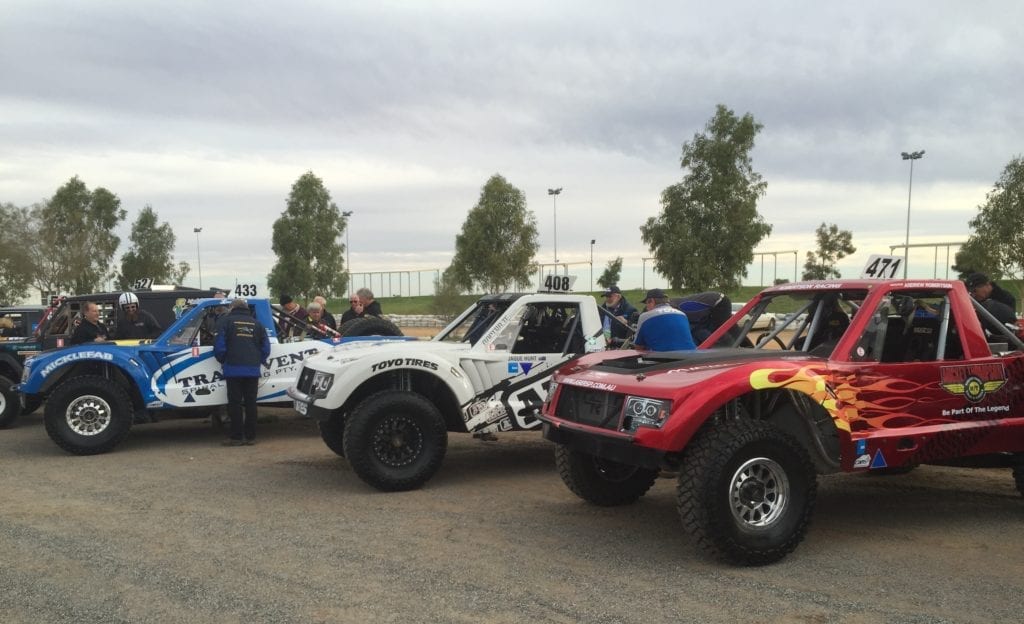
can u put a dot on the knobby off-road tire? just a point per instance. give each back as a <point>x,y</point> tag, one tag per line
<point>88,415</point>
<point>10,402</point>
<point>332,432</point>
<point>395,441</point>
<point>746,491</point>
<point>602,481</point>
<point>369,326</point>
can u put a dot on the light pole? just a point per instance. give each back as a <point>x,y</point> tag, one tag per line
<point>592,241</point>
<point>348,253</point>
<point>912,156</point>
<point>554,193</point>
<point>199,258</point>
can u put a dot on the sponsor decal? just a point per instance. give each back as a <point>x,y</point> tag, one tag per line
<point>71,357</point>
<point>288,359</point>
<point>879,460</point>
<point>973,381</point>
<point>586,383</point>
<point>862,446</point>
<point>379,366</point>
<point>202,379</point>
<point>515,367</point>
<point>863,461</point>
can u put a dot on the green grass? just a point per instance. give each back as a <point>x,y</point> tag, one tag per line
<point>422,305</point>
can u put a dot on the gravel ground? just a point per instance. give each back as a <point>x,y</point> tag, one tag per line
<point>171,527</point>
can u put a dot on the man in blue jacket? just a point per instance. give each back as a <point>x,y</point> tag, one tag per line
<point>662,327</point>
<point>241,346</point>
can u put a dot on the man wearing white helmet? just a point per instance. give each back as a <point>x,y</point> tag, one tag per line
<point>132,321</point>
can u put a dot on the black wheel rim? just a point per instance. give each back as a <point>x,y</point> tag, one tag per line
<point>398,440</point>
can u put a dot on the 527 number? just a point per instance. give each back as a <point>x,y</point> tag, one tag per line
<point>245,290</point>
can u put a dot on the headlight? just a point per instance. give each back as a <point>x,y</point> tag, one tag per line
<point>25,372</point>
<point>644,412</point>
<point>552,388</point>
<point>321,383</point>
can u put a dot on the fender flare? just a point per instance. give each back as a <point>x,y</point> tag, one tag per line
<point>49,369</point>
<point>705,400</point>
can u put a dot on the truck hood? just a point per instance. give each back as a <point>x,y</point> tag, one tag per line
<point>666,374</point>
<point>351,351</point>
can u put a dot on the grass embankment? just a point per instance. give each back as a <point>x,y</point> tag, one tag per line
<point>423,305</point>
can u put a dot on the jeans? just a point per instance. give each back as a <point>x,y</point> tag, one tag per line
<point>242,390</point>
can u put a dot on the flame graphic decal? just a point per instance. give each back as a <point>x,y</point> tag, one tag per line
<point>856,403</point>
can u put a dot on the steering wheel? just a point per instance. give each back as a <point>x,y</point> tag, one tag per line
<point>776,338</point>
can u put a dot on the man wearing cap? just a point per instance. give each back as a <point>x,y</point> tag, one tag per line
<point>662,327</point>
<point>997,301</point>
<point>621,309</point>
<point>294,310</point>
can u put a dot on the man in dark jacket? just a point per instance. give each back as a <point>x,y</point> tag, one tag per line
<point>371,307</point>
<point>997,301</point>
<point>91,329</point>
<point>621,309</point>
<point>134,322</point>
<point>354,311</point>
<point>241,346</point>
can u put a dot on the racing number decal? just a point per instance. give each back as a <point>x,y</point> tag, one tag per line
<point>558,283</point>
<point>245,290</point>
<point>882,267</point>
<point>509,405</point>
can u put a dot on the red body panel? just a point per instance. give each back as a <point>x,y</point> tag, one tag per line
<point>887,414</point>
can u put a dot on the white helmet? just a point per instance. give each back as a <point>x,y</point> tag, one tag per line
<point>127,299</point>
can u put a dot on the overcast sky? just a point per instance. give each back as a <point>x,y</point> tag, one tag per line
<point>209,111</point>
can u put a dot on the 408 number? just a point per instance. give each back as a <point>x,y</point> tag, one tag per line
<point>557,282</point>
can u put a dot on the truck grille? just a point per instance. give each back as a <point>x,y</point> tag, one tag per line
<point>305,380</point>
<point>590,407</point>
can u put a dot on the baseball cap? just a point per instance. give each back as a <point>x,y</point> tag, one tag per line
<point>611,290</point>
<point>974,280</point>
<point>654,293</point>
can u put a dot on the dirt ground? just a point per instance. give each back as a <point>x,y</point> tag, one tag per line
<point>172,527</point>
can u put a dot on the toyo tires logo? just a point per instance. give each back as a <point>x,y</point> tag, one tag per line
<point>71,357</point>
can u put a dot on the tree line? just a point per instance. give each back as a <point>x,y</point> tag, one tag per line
<point>703,237</point>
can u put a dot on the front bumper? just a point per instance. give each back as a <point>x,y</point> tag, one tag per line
<point>619,448</point>
<point>304,404</point>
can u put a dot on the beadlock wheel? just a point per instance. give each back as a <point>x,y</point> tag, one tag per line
<point>88,415</point>
<point>397,441</point>
<point>758,492</point>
